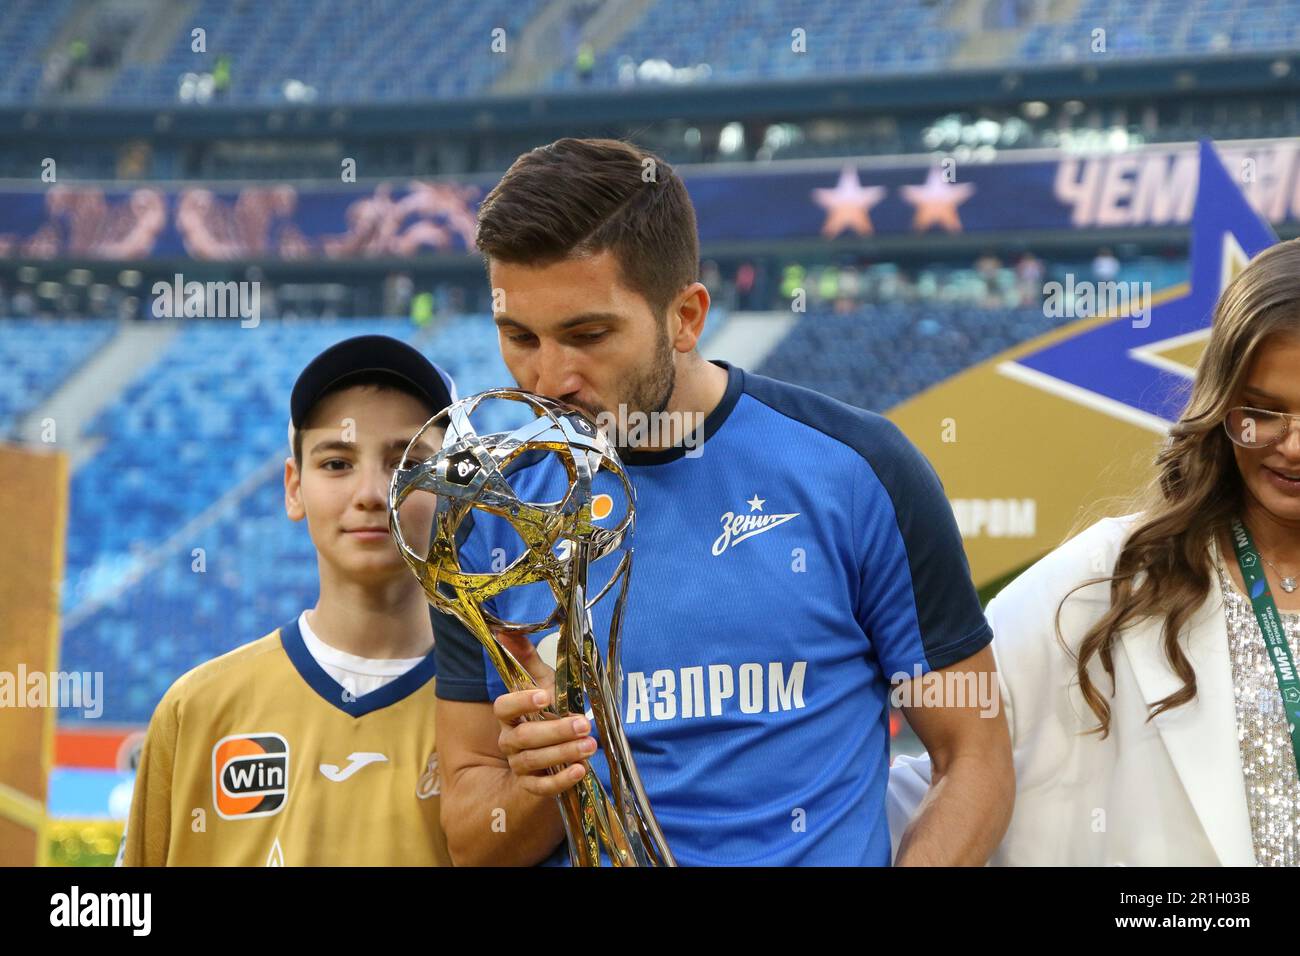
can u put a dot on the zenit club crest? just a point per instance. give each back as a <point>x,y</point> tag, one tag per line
<point>250,775</point>
<point>737,526</point>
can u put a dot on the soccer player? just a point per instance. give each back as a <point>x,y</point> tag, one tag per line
<point>315,745</point>
<point>786,570</point>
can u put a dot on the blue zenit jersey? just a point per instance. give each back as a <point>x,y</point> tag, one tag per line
<point>782,576</point>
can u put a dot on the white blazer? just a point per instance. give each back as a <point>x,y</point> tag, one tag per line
<point>1168,792</point>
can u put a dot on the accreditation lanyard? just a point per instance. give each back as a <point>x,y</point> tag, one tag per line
<point>1270,625</point>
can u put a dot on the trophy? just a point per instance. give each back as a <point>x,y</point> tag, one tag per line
<point>473,476</point>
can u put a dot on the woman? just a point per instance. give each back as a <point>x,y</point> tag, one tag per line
<point>1146,713</point>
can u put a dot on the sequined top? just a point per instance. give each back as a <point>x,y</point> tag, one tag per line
<point>1267,760</point>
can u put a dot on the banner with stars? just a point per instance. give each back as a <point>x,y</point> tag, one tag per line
<point>1049,436</point>
<point>831,201</point>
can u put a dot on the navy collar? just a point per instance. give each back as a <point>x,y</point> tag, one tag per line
<point>332,692</point>
<point>712,422</point>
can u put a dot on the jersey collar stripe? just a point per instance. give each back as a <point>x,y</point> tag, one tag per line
<point>714,420</point>
<point>332,692</point>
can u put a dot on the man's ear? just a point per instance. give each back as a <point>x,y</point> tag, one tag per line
<point>293,505</point>
<point>686,319</point>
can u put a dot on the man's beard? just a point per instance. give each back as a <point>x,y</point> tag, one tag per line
<point>651,391</point>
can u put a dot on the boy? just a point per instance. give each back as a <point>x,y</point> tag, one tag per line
<point>315,744</point>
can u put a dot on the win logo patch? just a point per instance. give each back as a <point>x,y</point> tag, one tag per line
<point>250,775</point>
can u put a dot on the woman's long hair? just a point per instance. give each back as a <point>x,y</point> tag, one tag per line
<point>1163,568</point>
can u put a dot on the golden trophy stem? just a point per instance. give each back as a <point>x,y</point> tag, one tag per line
<point>624,827</point>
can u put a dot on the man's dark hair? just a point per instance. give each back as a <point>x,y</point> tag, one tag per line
<point>584,196</point>
<point>384,381</point>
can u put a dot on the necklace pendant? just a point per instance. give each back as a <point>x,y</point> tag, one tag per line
<point>1288,584</point>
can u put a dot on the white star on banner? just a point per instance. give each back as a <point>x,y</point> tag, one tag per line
<point>936,202</point>
<point>848,205</point>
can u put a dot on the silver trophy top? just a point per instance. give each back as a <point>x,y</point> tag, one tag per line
<point>471,472</point>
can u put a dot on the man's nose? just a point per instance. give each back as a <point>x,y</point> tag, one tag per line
<point>557,372</point>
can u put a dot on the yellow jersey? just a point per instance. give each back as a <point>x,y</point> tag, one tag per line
<point>260,758</point>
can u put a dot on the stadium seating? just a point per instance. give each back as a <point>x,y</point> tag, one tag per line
<point>393,50</point>
<point>26,30</point>
<point>39,355</point>
<point>880,355</point>
<point>753,41</point>
<point>382,51</point>
<point>885,352</point>
<point>1165,28</point>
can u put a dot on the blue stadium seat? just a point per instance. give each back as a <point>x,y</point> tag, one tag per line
<point>39,355</point>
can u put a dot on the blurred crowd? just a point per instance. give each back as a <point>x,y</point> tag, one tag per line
<point>990,281</point>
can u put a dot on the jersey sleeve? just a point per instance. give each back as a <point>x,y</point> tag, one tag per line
<point>917,602</point>
<point>148,828</point>
<point>462,666</point>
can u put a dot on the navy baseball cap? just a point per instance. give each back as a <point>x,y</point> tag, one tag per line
<point>369,353</point>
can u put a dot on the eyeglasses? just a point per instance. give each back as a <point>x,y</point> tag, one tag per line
<point>1256,427</point>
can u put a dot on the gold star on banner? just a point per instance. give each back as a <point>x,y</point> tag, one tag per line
<point>848,205</point>
<point>1181,353</point>
<point>1234,260</point>
<point>936,202</point>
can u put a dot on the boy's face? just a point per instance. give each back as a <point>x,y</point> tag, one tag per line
<point>351,444</point>
<point>572,331</point>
